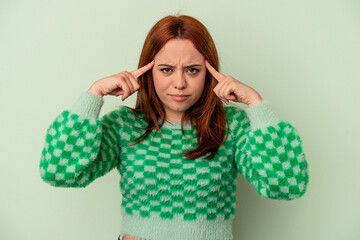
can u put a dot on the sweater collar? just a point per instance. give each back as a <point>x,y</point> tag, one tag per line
<point>177,125</point>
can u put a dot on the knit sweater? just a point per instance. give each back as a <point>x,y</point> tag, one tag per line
<point>164,195</point>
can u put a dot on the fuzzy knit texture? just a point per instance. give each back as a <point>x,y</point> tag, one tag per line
<point>164,195</point>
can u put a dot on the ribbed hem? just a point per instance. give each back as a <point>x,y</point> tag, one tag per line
<point>261,115</point>
<point>88,105</point>
<point>155,228</point>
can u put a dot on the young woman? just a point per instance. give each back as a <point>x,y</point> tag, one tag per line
<point>179,151</point>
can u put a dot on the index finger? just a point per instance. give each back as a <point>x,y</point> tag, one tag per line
<point>138,72</point>
<point>218,76</point>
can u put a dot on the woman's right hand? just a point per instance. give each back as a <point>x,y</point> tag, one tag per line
<point>123,83</point>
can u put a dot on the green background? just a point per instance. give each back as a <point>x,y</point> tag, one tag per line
<point>303,56</point>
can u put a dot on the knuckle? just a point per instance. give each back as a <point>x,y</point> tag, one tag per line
<point>125,73</point>
<point>124,87</point>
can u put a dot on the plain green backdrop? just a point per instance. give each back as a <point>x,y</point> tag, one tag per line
<point>302,56</point>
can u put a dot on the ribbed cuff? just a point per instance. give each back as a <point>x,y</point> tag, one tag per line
<point>261,115</point>
<point>88,105</point>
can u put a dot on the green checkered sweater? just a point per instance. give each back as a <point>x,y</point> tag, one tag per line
<point>164,195</point>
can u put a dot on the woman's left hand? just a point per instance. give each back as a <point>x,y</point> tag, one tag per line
<point>228,88</point>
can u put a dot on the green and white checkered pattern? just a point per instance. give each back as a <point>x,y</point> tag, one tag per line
<point>271,158</point>
<point>77,151</point>
<point>157,180</point>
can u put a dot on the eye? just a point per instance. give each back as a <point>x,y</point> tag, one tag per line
<point>166,70</point>
<point>193,70</point>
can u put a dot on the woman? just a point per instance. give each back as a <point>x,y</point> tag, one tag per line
<point>179,150</point>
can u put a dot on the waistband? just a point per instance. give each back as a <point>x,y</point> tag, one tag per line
<point>155,228</point>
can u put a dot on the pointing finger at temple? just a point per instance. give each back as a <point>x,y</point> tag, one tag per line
<point>218,76</point>
<point>138,72</point>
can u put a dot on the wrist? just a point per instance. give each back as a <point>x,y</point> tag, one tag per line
<point>257,101</point>
<point>94,92</point>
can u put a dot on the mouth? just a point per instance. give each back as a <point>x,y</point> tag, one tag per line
<point>179,97</point>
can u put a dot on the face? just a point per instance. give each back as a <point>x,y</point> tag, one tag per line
<point>179,77</point>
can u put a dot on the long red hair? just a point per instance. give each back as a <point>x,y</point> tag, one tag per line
<point>207,114</point>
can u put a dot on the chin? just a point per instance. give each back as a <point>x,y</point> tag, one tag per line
<point>179,109</point>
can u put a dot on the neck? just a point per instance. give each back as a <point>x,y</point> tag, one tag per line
<point>173,117</point>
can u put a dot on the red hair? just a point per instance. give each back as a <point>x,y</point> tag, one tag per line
<point>207,114</point>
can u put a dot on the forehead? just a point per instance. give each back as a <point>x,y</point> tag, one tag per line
<point>179,49</point>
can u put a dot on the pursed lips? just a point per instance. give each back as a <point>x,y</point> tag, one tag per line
<point>179,95</point>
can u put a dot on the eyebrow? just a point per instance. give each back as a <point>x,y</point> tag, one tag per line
<point>193,65</point>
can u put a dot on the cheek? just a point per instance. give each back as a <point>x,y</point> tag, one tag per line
<point>200,83</point>
<point>159,81</point>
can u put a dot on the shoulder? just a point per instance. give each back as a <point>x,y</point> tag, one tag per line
<point>234,112</point>
<point>237,117</point>
<point>122,114</point>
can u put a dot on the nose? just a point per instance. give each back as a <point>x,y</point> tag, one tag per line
<point>179,81</point>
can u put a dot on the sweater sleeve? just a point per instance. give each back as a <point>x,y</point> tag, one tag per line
<point>268,152</point>
<point>79,147</point>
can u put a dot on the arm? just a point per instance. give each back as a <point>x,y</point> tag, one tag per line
<point>78,146</point>
<point>268,153</point>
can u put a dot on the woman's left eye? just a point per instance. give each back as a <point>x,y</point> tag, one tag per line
<point>195,70</point>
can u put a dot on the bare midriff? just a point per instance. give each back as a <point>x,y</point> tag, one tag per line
<point>128,237</point>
